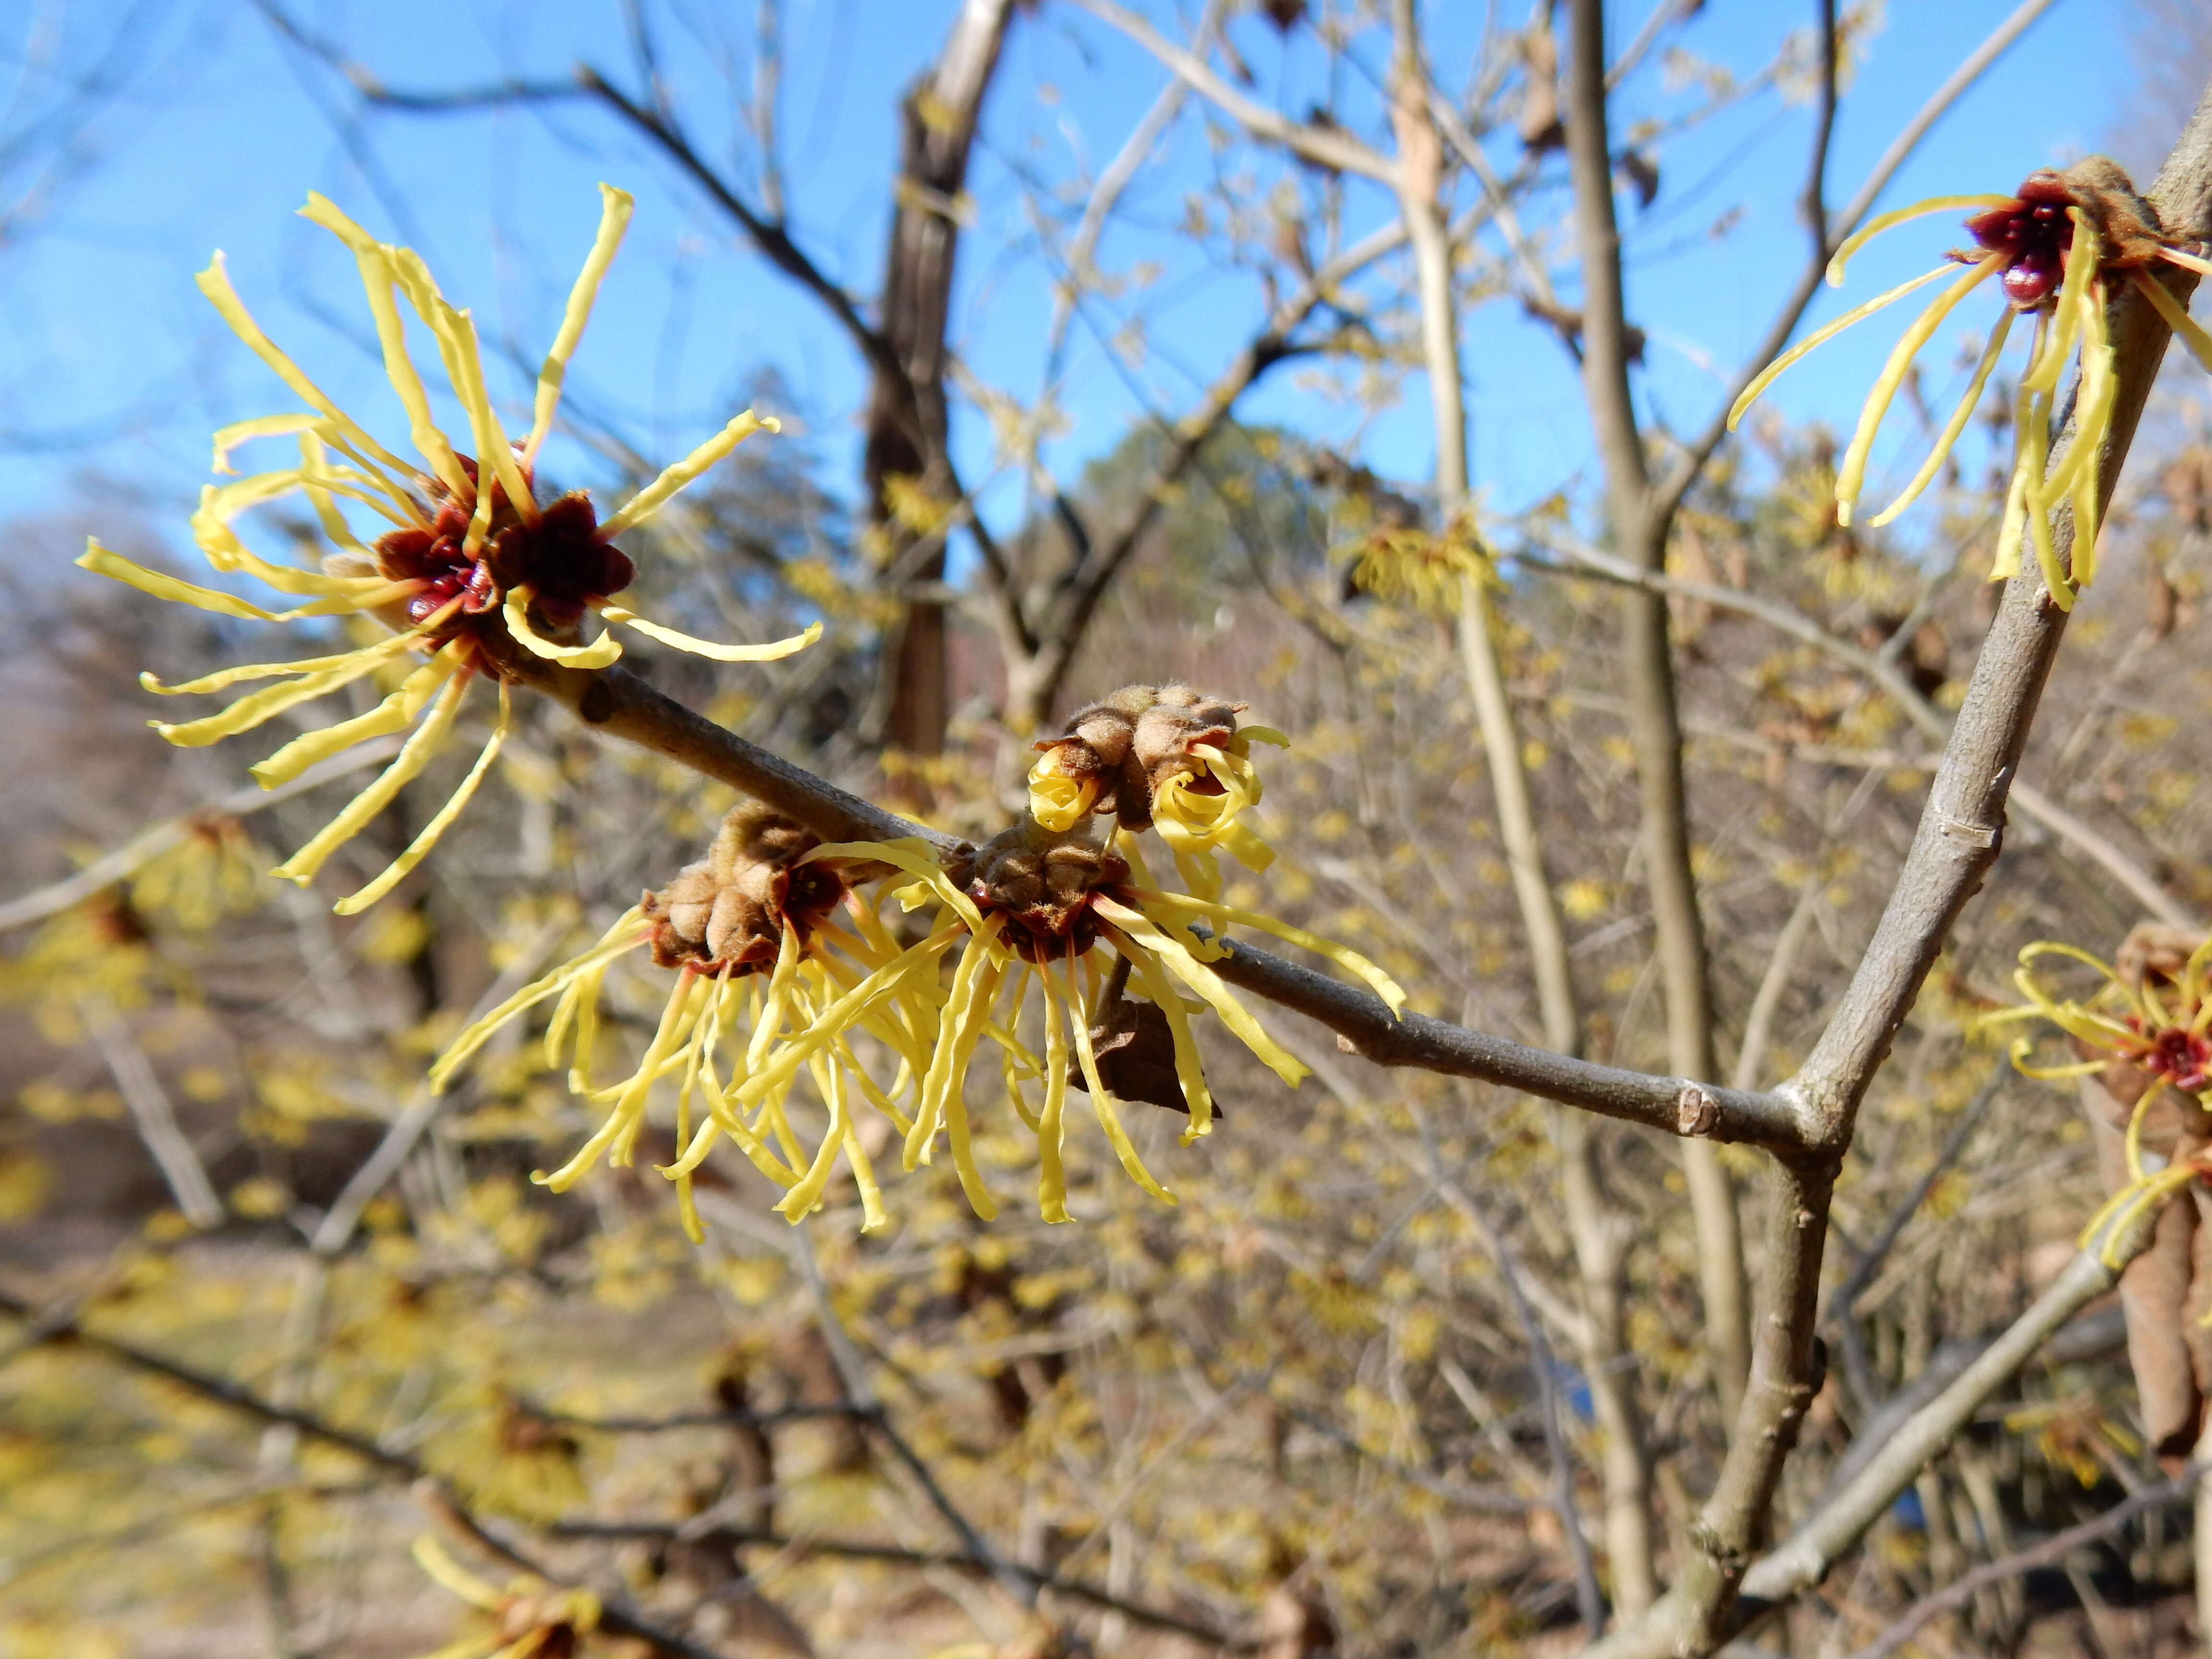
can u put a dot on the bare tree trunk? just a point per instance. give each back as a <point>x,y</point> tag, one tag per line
<point>1655,722</point>
<point>907,429</point>
<point>1600,1244</point>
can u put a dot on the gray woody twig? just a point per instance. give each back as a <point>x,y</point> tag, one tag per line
<point>2053,1549</point>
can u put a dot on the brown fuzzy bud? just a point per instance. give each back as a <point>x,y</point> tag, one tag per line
<point>2127,225</point>
<point>731,907</point>
<point>1133,740</point>
<point>1043,882</point>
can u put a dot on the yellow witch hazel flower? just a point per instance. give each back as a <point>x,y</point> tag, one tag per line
<point>1036,904</point>
<point>751,932</point>
<point>2055,246</point>
<point>1162,757</point>
<point>528,1620</point>
<point>1406,565</point>
<point>2151,1011</point>
<point>470,572</point>
<point>214,871</point>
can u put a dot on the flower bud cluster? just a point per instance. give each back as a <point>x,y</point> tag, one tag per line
<point>1119,752</point>
<point>731,907</point>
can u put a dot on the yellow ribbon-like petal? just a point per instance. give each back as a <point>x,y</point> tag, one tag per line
<point>396,713</point>
<point>614,220</point>
<point>913,855</point>
<point>1343,954</point>
<point>251,710</point>
<point>1853,473</point>
<point>229,438</point>
<point>1209,986</point>
<point>1882,221</point>
<point>105,561</point>
<point>651,499</point>
<point>627,934</point>
<point>1052,1119</point>
<point>394,874</point>
<point>2191,332</point>
<point>428,738</point>
<point>379,277</point>
<point>1960,415</point>
<point>769,653</point>
<point>1821,336</point>
<point>1102,1101</point>
<point>215,284</point>
<point>598,653</point>
<point>1189,1071</point>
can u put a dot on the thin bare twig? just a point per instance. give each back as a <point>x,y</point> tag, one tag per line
<point>1843,1306</point>
<point>2051,1551</point>
<point>336,1230</point>
<point>843,1549</point>
<point>150,844</point>
<point>1880,667</point>
<point>1325,146</point>
<point>154,1116</point>
<point>1589,1600</point>
<point>1016,1580</point>
<point>616,1618</point>
<point>1655,723</point>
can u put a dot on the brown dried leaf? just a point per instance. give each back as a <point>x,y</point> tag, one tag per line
<point>1136,1058</point>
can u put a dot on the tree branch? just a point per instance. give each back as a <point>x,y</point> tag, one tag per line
<point>617,702</point>
<point>1327,147</point>
<point>768,236</point>
<point>1813,204</point>
<point>1639,530</point>
<point>1843,1305</point>
<point>1957,842</point>
<point>1962,825</point>
<point>1422,117</point>
<point>1365,1027</point>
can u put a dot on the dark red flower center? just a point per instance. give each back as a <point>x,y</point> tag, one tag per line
<point>561,557</point>
<point>434,557</point>
<point>2030,235</point>
<point>2181,1057</point>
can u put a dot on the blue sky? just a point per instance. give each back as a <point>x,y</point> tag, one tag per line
<point>113,369</point>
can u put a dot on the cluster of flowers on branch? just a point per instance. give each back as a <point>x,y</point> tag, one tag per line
<point>793,977</point>
<point>799,998</point>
